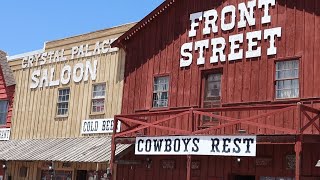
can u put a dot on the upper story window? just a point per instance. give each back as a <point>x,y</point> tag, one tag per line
<point>160,92</point>
<point>212,89</point>
<point>3,112</point>
<point>287,79</point>
<point>98,98</point>
<point>63,102</point>
<point>212,95</point>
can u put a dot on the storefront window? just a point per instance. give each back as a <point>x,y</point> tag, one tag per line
<point>56,175</point>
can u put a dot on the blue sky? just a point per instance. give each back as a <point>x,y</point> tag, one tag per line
<point>27,24</point>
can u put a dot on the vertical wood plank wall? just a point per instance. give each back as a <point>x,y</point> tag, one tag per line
<point>221,167</point>
<point>34,114</point>
<point>155,50</point>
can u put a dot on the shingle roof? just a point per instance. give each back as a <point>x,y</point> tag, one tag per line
<point>7,72</point>
<point>86,149</point>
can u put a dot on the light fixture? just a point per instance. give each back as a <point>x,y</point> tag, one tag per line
<point>318,163</point>
<point>238,160</point>
<point>51,167</point>
<point>4,165</point>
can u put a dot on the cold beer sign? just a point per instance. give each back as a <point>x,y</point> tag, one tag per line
<point>235,46</point>
<point>197,145</point>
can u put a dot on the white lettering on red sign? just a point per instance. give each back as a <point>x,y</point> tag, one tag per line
<point>227,22</point>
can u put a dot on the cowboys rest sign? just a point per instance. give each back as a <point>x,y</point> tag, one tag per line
<point>197,145</point>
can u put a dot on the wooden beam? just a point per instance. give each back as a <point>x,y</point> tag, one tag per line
<point>311,139</point>
<point>310,109</point>
<point>189,167</point>
<point>128,162</point>
<point>245,108</point>
<point>166,112</point>
<point>113,147</point>
<point>244,121</point>
<point>298,149</point>
<point>125,140</point>
<point>311,121</point>
<point>276,139</point>
<point>146,125</point>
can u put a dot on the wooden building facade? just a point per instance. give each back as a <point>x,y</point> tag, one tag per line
<point>223,68</point>
<point>7,88</point>
<point>66,95</point>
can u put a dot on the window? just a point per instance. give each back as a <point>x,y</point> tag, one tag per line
<point>160,91</point>
<point>212,93</point>
<point>98,98</point>
<point>59,174</point>
<point>287,79</point>
<point>3,112</point>
<point>63,102</point>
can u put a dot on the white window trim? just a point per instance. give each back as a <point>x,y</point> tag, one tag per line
<point>98,98</point>
<point>57,106</point>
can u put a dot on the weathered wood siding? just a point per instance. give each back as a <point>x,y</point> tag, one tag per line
<point>34,115</point>
<point>223,167</point>
<point>155,50</point>
<point>6,92</point>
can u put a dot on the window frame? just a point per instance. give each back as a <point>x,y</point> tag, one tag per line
<point>169,89</point>
<point>104,98</point>
<point>57,108</point>
<point>6,113</point>
<point>275,78</point>
<point>204,76</point>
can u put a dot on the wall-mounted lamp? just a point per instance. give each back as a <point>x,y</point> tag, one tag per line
<point>4,165</point>
<point>238,160</point>
<point>149,162</point>
<point>318,163</point>
<point>51,167</point>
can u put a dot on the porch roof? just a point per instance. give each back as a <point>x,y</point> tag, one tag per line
<point>86,149</point>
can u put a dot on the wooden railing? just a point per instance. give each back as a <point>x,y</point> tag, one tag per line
<point>289,119</point>
<point>267,120</point>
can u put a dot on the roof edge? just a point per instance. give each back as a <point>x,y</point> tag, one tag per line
<point>151,16</point>
<point>22,55</point>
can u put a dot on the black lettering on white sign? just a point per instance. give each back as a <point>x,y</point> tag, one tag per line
<point>197,145</point>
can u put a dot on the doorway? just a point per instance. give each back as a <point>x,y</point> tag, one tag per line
<point>238,177</point>
<point>81,175</point>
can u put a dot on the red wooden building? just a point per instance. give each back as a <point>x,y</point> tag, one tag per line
<point>7,87</point>
<point>222,69</point>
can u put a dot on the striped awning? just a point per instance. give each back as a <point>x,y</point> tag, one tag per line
<point>86,149</point>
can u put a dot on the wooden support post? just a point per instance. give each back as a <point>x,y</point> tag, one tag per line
<point>193,123</point>
<point>298,123</point>
<point>298,150</point>
<point>189,167</point>
<point>113,148</point>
